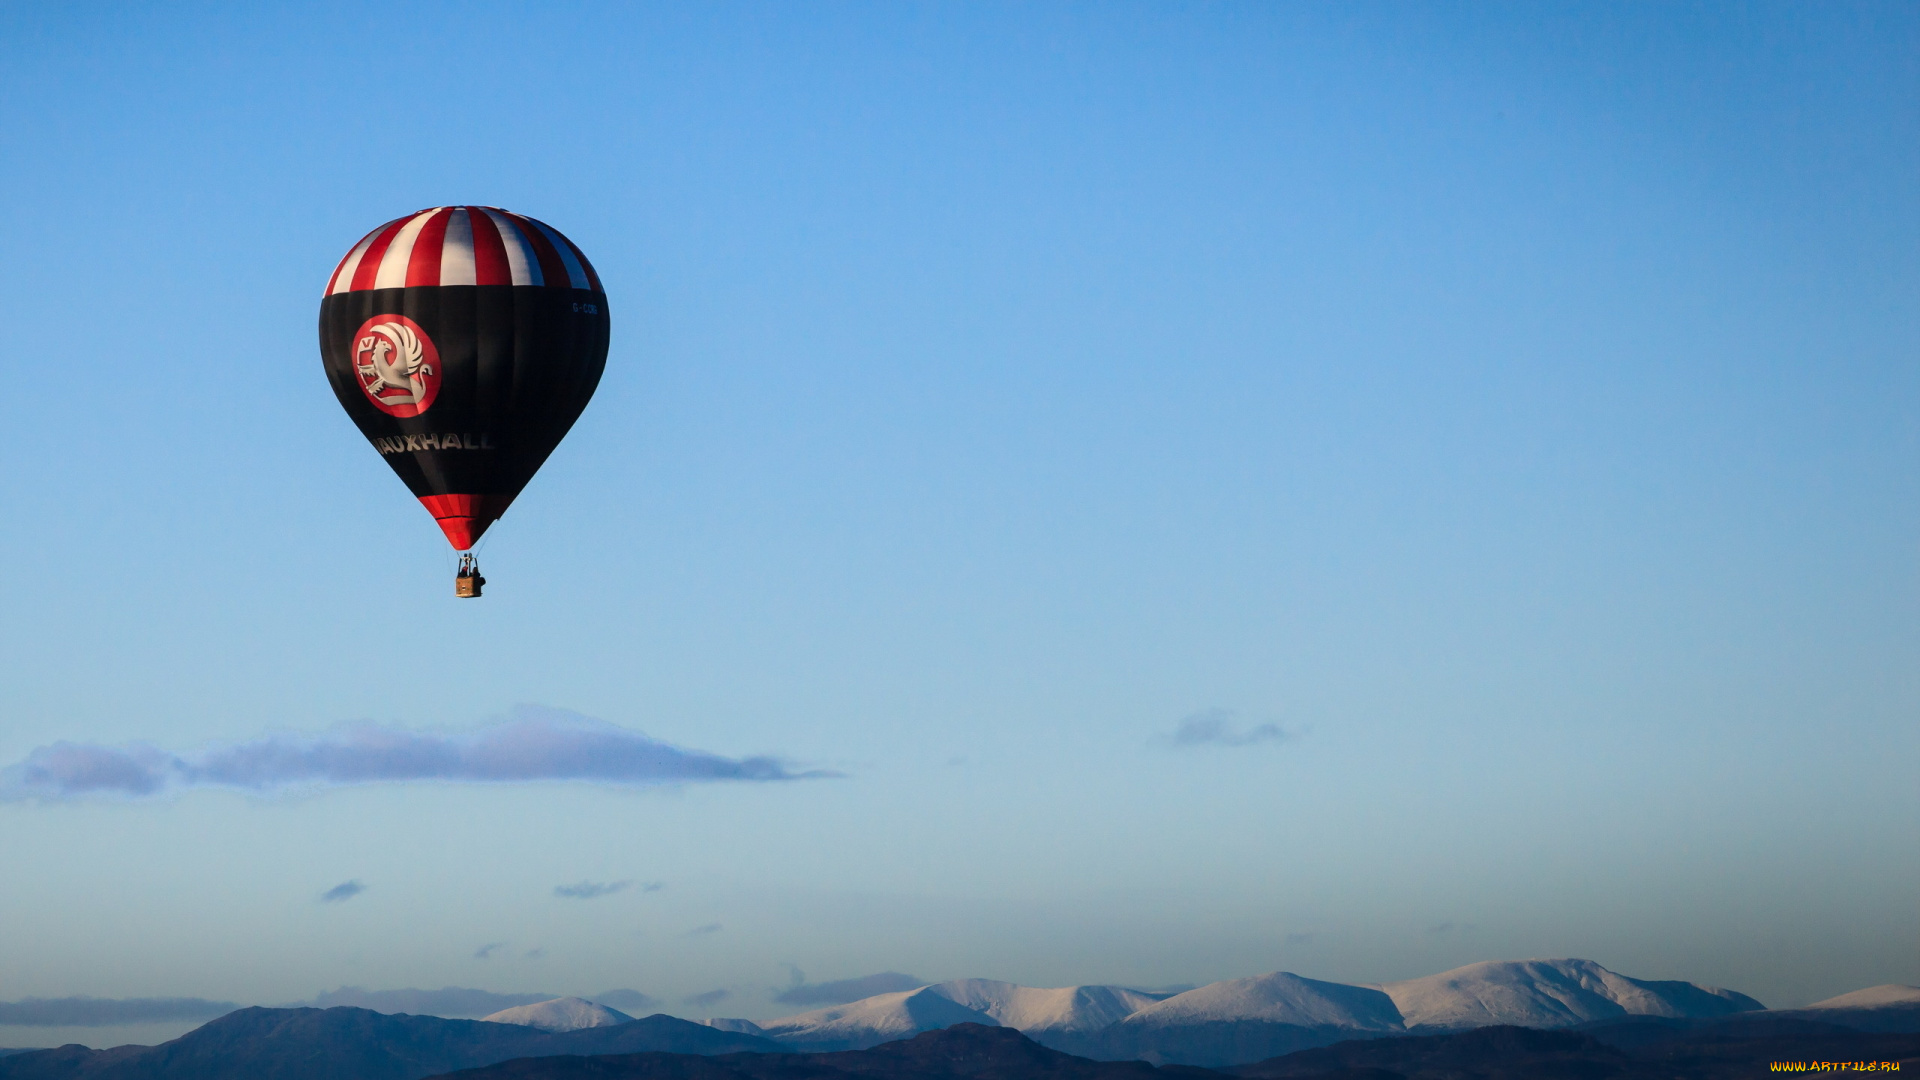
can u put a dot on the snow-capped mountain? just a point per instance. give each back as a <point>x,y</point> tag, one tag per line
<point>1240,1020</point>
<point>1279,998</point>
<point>868,1022</point>
<point>1890,1007</point>
<point>1549,994</point>
<point>1873,997</point>
<point>871,1021</point>
<point>560,1014</point>
<point>1034,1010</point>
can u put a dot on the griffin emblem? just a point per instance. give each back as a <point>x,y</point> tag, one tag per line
<point>390,358</point>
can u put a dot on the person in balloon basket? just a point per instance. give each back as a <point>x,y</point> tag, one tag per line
<point>468,582</point>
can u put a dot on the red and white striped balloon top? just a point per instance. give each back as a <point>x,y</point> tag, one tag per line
<point>463,245</point>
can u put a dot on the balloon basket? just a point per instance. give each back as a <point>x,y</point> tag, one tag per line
<point>468,582</point>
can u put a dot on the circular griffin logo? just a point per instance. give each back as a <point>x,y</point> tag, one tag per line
<point>396,364</point>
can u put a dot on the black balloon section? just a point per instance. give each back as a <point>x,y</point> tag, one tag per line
<point>466,389</point>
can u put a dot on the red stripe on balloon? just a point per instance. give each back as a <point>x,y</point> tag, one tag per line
<point>424,267</point>
<point>553,269</point>
<point>369,267</point>
<point>341,265</point>
<point>489,252</point>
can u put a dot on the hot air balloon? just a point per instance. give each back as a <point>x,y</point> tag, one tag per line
<point>464,341</point>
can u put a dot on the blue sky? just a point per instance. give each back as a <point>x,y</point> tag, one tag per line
<point>1490,432</point>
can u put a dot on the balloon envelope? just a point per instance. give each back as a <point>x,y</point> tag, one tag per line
<point>464,341</point>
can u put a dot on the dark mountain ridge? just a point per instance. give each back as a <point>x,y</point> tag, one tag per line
<point>978,1052</point>
<point>346,1043</point>
<point>1207,1043</point>
<point>960,1052</point>
<point>1720,1050</point>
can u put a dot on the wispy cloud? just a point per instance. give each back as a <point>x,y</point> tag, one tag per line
<point>628,1001</point>
<point>652,886</point>
<point>533,744</point>
<point>1215,727</point>
<point>711,997</point>
<point>486,951</point>
<point>710,928</point>
<point>346,890</point>
<point>587,890</point>
<point>844,990</point>
<point>450,1001</point>
<point>105,1012</point>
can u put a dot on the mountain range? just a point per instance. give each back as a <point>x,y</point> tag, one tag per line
<point>1262,1020</point>
<point>1240,1020</point>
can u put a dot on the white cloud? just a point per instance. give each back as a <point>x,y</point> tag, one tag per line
<point>534,744</point>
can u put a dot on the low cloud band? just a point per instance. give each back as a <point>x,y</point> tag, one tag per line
<point>534,744</point>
